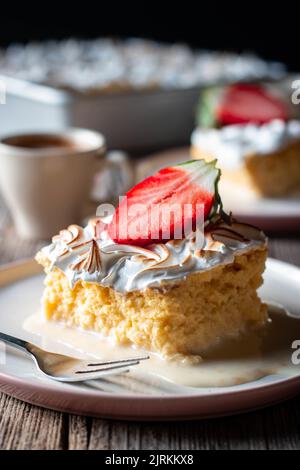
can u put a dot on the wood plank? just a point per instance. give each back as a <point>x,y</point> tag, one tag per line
<point>282,425</point>
<point>78,432</point>
<point>23,426</point>
<point>100,435</point>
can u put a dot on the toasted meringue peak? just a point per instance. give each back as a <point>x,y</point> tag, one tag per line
<point>69,235</point>
<point>90,261</point>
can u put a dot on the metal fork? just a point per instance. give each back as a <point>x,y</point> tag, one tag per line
<point>69,369</point>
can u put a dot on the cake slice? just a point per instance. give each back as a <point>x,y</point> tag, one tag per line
<point>248,128</point>
<point>174,297</point>
<point>264,158</point>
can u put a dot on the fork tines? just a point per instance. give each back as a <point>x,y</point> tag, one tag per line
<point>120,361</point>
<point>111,365</point>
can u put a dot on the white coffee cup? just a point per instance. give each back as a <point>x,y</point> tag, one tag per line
<point>46,178</point>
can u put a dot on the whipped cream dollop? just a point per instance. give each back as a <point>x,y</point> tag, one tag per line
<point>232,144</point>
<point>88,254</point>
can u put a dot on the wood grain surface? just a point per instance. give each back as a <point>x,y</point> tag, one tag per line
<point>23,426</point>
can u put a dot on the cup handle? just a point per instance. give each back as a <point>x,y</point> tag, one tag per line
<point>115,175</point>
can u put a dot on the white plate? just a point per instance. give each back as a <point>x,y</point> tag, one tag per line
<point>269,214</point>
<point>19,378</point>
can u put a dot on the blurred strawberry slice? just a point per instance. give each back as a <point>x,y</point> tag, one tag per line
<point>243,103</point>
<point>142,216</point>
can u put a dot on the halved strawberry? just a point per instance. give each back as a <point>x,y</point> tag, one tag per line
<point>165,205</point>
<point>243,103</point>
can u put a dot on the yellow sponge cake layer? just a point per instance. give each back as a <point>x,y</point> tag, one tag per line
<point>182,317</point>
<point>278,173</point>
<point>275,174</point>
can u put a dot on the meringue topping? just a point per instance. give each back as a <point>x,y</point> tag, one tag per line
<point>87,255</point>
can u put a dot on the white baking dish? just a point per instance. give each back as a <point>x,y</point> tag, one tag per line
<point>134,120</point>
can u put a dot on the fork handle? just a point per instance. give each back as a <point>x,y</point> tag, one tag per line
<point>17,342</point>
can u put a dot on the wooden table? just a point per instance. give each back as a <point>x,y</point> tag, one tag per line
<point>24,426</point>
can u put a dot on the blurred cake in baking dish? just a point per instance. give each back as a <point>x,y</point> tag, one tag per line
<point>109,65</point>
<point>164,294</point>
<point>250,133</point>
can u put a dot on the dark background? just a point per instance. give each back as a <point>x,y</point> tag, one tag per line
<point>272,32</point>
